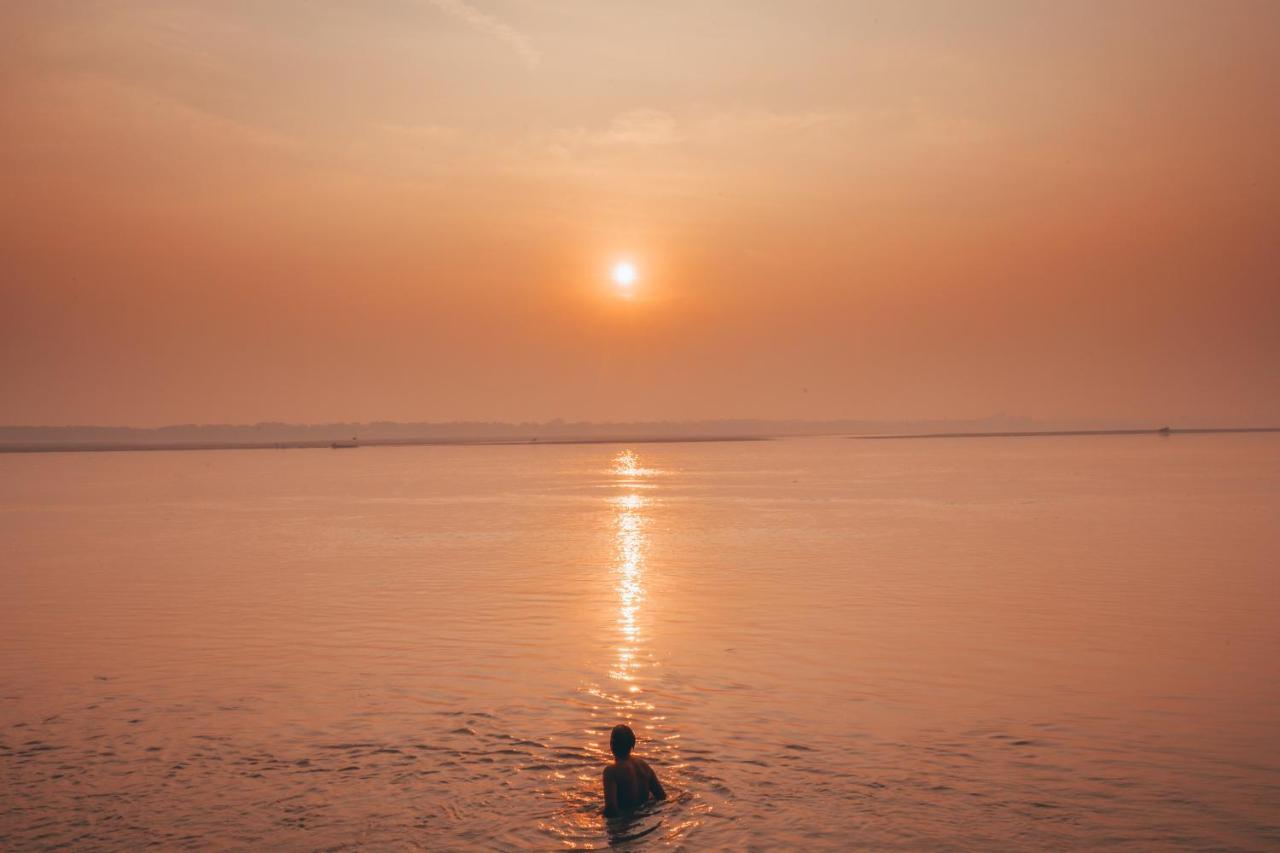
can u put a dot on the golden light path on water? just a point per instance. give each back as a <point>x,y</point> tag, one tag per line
<point>630,569</point>
<point>630,545</point>
<point>624,697</point>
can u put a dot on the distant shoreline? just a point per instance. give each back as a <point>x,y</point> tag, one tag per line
<point>1064,432</point>
<point>109,447</point>
<point>344,444</point>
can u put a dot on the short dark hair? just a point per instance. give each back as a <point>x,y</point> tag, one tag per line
<point>622,740</point>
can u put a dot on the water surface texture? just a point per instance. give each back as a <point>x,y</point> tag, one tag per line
<point>822,643</point>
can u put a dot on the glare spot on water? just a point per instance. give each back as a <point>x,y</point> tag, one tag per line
<point>627,464</point>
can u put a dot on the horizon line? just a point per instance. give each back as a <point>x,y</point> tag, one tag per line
<point>560,422</point>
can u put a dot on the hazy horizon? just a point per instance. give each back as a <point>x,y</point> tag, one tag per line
<point>567,428</point>
<point>410,211</point>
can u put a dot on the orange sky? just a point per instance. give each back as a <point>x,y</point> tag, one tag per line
<point>407,210</point>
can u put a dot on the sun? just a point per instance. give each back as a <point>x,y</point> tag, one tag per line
<point>624,275</point>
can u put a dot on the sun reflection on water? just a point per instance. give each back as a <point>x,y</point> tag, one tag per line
<point>630,544</point>
<point>624,697</point>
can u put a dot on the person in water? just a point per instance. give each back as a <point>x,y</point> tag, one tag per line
<point>628,781</point>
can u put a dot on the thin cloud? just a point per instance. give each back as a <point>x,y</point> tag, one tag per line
<point>491,26</point>
<point>629,130</point>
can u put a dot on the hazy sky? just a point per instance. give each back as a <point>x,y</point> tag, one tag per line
<point>408,210</point>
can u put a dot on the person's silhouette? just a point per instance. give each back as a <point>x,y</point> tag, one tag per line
<point>628,781</point>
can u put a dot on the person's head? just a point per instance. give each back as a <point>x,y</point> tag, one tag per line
<point>621,741</point>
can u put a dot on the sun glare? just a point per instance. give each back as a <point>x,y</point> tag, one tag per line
<point>624,275</point>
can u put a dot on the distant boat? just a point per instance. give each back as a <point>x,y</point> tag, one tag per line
<point>342,445</point>
<point>1164,430</point>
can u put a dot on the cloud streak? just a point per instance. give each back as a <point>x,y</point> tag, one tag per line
<point>491,26</point>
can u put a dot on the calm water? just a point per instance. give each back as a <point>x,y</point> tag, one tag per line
<point>823,643</point>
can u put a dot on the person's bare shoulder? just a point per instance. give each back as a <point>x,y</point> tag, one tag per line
<point>609,771</point>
